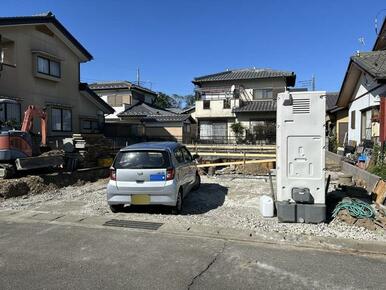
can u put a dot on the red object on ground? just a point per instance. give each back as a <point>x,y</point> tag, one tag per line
<point>382,120</point>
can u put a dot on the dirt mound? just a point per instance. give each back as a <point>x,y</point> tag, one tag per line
<point>48,182</point>
<point>23,186</point>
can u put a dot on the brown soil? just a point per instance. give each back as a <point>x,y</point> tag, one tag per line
<point>47,183</point>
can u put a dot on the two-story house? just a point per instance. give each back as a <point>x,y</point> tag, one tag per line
<point>40,65</point>
<point>122,94</point>
<point>244,96</point>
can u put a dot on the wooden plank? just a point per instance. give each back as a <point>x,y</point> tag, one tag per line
<point>231,154</point>
<point>380,191</point>
<point>236,163</point>
<point>234,147</point>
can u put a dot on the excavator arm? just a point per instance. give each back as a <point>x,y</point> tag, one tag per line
<point>29,115</point>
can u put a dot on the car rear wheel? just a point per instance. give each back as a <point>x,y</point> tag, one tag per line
<point>116,208</point>
<point>197,182</point>
<point>178,207</point>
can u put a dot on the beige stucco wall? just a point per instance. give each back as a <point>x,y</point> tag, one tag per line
<point>217,110</point>
<point>23,84</point>
<point>164,132</point>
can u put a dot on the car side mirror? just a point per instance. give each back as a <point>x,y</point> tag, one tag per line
<point>195,156</point>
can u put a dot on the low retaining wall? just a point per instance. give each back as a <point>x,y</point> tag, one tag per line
<point>334,158</point>
<point>370,179</point>
<point>357,173</point>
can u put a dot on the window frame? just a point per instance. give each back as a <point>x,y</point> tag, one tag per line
<point>264,95</point>
<point>366,124</point>
<point>61,119</point>
<point>206,104</point>
<point>227,103</point>
<point>6,117</point>
<point>91,122</point>
<point>49,60</point>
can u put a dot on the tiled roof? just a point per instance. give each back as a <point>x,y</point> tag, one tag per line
<point>149,113</point>
<point>45,18</point>
<point>112,85</point>
<point>174,110</point>
<point>186,110</point>
<point>374,63</point>
<point>246,74</point>
<point>331,99</point>
<point>175,118</point>
<point>257,106</point>
<point>84,87</point>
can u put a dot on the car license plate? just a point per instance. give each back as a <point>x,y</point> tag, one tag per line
<point>140,199</point>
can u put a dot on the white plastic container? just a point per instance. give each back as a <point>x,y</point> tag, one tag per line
<point>266,206</point>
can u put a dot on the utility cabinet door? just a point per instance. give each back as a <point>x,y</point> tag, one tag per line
<point>304,161</point>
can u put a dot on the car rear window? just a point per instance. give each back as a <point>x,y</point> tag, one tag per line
<point>142,160</point>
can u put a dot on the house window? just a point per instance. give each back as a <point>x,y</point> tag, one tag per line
<point>10,112</point>
<point>61,120</point>
<point>366,125</point>
<point>89,125</point>
<point>206,104</point>
<point>259,94</point>
<point>227,104</point>
<point>48,67</point>
<point>115,100</point>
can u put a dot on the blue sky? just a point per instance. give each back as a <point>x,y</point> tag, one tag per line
<point>172,41</point>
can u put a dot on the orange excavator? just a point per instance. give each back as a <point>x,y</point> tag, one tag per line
<point>17,149</point>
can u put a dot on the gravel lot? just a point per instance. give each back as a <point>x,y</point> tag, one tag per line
<point>226,201</point>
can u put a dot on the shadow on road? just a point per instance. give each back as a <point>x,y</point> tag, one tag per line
<point>209,196</point>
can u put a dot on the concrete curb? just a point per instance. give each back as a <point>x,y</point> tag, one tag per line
<point>298,241</point>
<point>303,241</point>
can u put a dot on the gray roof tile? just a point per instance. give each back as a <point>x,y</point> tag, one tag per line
<point>150,113</point>
<point>373,62</point>
<point>257,106</point>
<point>245,74</point>
<point>112,85</point>
<point>331,99</point>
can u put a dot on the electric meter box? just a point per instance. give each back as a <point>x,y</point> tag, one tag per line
<point>300,156</point>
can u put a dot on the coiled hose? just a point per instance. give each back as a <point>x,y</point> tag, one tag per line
<point>355,207</point>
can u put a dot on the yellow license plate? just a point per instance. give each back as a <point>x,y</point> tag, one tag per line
<point>140,199</point>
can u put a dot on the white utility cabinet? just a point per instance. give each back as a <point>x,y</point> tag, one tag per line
<point>300,156</point>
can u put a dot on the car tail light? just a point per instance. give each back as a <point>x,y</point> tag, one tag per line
<point>170,174</point>
<point>113,174</point>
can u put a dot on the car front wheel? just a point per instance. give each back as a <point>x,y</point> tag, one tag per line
<point>116,208</point>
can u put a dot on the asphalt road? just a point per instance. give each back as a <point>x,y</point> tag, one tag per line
<point>51,256</point>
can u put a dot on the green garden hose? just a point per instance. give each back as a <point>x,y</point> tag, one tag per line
<point>355,207</point>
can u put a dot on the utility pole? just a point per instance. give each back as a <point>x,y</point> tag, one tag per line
<point>138,76</point>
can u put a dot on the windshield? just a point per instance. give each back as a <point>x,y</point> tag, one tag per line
<point>142,160</point>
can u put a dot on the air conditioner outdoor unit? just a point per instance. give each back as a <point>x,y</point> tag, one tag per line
<point>300,160</point>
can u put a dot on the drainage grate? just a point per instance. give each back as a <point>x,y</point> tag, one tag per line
<point>133,224</point>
